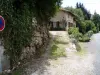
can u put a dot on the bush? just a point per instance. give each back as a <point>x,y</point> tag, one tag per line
<point>85,26</point>
<point>74,32</point>
<point>58,48</point>
<point>84,39</point>
<point>90,26</point>
<point>89,33</point>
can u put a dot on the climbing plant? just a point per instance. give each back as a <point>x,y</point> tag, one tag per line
<point>18,16</point>
<point>18,31</point>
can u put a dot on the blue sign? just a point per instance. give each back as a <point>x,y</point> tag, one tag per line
<point>2,23</point>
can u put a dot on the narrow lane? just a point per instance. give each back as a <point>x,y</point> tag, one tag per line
<point>73,64</point>
<point>93,48</point>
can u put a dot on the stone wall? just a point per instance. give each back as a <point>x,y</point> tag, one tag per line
<point>38,44</point>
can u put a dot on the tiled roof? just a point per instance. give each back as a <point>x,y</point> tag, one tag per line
<point>67,11</point>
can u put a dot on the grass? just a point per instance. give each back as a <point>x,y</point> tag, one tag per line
<point>82,52</point>
<point>16,72</point>
<point>58,48</point>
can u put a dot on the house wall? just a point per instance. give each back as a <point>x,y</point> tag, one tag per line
<point>63,15</point>
<point>69,17</point>
<point>58,17</point>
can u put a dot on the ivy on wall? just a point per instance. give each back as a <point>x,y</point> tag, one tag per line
<point>18,31</point>
<point>18,16</point>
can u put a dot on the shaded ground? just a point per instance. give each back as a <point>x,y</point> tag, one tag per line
<point>73,64</point>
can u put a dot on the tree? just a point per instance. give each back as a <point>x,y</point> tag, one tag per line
<point>45,9</point>
<point>18,15</point>
<point>90,26</point>
<point>96,20</point>
<point>79,14</point>
<point>79,17</point>
<point>79,20</point>
<point>86,13</point>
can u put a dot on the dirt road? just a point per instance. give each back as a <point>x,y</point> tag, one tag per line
<point>73,64</point>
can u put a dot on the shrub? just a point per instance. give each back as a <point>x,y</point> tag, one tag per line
<point>58,49</point>
<point>85,26</point>
<point>90,26</point>
<point>74,32</point>
<point>84,39</point>
<point>18,16</point>
<point>89,33</point>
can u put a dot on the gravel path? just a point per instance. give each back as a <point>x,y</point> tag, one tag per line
<point>73,64</point>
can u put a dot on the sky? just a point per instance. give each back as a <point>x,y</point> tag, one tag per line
<point>91,5</point>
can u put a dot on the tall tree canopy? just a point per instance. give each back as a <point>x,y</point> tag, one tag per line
<point>45,9</point>
<point>86,13</point>
<point>83,18</point>
<point>96,20</point>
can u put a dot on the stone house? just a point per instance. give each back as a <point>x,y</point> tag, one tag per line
<point>62,20</point>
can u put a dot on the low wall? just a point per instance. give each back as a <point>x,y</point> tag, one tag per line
<point>38,44</point>
<point>40,38</point>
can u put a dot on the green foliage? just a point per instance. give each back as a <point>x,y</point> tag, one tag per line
<point>90,26</point>
<point>82,18</point>
<point>89,33</point>
<point>96,20</point>
<point>83,51</point>
<point>18,31</point>
<point>45,9</point>
<point>87,14</point>
<point>74,32</point>
<point>86,26</point>
<point>79,14</point>
<point>17,72</point>
<point>58,47</point>
<point>84,39</point>
<point>58,51</point>
<point>18,15</point>
<point>82,27</point>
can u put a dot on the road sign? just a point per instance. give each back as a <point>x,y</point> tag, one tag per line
<point>2,23</point>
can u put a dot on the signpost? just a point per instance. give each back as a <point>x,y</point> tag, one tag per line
<point>2,23</point>
<point>2,26</point>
